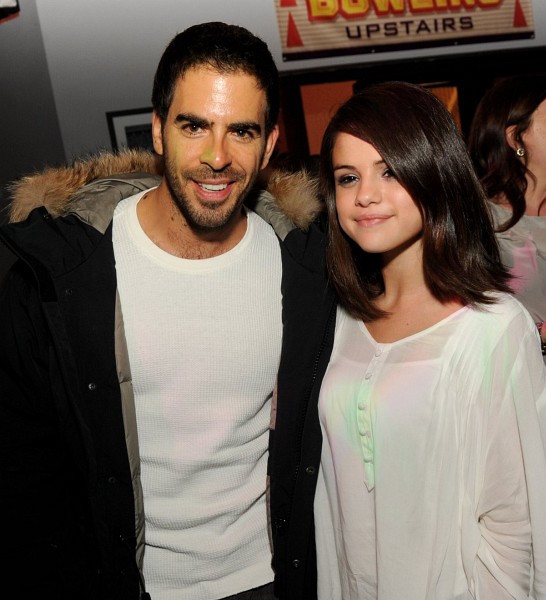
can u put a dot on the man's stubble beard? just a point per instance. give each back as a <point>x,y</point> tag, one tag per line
<point>207,217</point>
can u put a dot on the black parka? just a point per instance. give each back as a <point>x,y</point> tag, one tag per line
<point>65,474</point>
<point>69,466</point>
<point>309,311</point>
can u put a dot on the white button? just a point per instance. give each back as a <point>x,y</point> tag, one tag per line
<point>367,376</point>
<point>378,352</point>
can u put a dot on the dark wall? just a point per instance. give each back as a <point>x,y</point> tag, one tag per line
<point>30,137</point>
<point>472,74</point>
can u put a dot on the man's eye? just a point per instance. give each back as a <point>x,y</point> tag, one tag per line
<point>244,134</point>
<point>191,128</point>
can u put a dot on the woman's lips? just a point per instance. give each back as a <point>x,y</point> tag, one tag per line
<point>372,220</point>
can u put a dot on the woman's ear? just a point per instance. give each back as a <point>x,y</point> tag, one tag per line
<point>510,136</point>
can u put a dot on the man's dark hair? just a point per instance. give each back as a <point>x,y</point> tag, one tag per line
<point>421,145</point>
<point>223,48</point>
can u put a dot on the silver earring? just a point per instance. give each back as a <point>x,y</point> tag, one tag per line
<point>520,151</point>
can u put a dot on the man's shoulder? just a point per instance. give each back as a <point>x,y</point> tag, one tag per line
<point>64,210</point>
<point>61,190</point>
<point>291,201</point>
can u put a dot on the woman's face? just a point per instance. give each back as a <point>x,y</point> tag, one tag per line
<point>373,208</point>
<point>535,144</point>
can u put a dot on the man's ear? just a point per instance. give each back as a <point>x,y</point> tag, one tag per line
<point>510,136</point>
<point>270,146</point>
<point>157,133</point>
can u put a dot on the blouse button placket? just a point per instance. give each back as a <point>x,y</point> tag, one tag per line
<point>363,412</point>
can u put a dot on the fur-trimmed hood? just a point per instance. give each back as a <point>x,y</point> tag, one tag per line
<point>296,194</point>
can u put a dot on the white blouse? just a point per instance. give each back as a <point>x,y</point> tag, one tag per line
<point>523,251</point>
<point>433,472</point>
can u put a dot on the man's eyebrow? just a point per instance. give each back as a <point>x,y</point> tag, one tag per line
<point>191,118</point>
<point>198,121</point>
<point>247,126</point>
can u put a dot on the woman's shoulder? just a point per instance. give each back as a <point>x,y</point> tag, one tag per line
<point>496,333</point>
<point>500,215</point>
<point>499,212</point>
<point>505,315</point>
<point>502,304</point>
<point>525,226</point>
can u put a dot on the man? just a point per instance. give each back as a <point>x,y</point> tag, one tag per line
<point>141,336</point>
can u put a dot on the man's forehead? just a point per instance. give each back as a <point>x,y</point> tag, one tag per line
<point>203,90</point>
<point>205,74</point>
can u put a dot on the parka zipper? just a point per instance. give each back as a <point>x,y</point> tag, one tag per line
<point>312,385</point>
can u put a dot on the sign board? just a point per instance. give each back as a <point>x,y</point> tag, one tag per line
<point>322,28</point>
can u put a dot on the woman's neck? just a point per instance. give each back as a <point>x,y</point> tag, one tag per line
<point>408,302</point>
<point>535,199</point>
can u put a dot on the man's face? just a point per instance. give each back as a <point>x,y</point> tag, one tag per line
<point>214,144</point>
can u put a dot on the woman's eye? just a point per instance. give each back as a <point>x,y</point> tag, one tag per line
<point>346,179</point>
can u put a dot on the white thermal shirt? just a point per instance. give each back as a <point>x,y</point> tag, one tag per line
<point>204,340</point>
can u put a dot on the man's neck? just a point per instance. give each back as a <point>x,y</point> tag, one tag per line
<point>163,223</point>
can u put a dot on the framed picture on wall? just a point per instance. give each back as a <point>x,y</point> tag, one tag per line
<point>9,9</point>
<point>130,128</point>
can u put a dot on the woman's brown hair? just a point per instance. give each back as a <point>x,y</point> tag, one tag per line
<point>510,102</point>
<point>420,143</point>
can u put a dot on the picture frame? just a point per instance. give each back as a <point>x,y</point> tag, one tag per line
<point>9,9</point>
<point>130,129</point>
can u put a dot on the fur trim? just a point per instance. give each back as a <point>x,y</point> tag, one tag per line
<point>53,187</point>
<point>296,193</point>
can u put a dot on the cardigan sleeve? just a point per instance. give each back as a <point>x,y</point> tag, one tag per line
<point>511,492</point>
<point>531,417</point>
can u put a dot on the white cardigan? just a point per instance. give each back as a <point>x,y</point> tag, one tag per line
<point>433,472</point>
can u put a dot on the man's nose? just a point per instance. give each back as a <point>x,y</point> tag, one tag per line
<point>216,153</point>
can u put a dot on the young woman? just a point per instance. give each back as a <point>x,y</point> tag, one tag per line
<point>507,142</point>
<point>418,450</point>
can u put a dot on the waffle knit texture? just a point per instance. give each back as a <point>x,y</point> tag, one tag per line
<point>204,339</point>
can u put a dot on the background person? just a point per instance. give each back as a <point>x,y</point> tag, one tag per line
<point>507,142</point>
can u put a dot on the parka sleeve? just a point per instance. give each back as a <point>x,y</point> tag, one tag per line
<point>31,452</point>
